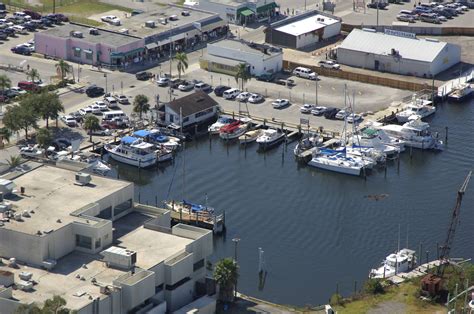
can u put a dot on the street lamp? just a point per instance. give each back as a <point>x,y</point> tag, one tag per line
<point>236,242</point>
<point>105,75</point>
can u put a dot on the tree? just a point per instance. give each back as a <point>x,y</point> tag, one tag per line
<point>55,305</point>
<point>226,275</point>
<point>21,117</point>
<point>47,105</point>
<point>141,105</point>
<point>44,137</point>
<point>33,75</point>
<point>374,286</point>
<point>182,62</point>
<point>5,135</point>
<point>5,83</point>
<point>243,74</point>
<point>63,69</point>
<point>14,161</point>
<point>91,124</point>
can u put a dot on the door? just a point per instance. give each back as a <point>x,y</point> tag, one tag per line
<point>377,65</point>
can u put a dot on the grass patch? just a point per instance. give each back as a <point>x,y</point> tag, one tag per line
<point>76,7</point>
<point>84,20</point>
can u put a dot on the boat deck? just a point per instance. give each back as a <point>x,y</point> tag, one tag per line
<point>216,223</point>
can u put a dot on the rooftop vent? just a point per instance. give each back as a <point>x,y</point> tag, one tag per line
<point>83,179</point>
<point>150,24</point>
<point>119,257</point>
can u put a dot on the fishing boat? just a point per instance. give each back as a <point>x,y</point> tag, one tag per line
<point>307,142</point>
<point>270,138</point>
<point>250,136</point>
<point>400,261</point>
<point>418,109</point>
<point>233,130</point>
<point>463,92</point>
<point>414,134</point>
<point>133,151</point>
<point>216,126</point>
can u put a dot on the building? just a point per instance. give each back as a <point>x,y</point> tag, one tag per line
<point>83,238</point>
<point>226,55</point>
<point>397,52</point>
<point>145,36</point>
<point>303,30</point>
<point>241,11</point>
<point>196,109</point>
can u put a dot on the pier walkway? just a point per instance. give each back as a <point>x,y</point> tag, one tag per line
<point>450,86</point>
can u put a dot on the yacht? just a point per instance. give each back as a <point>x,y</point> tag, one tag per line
<point>133,151</point>
<point>401,261</point>
<point>370,139</point>
<point>269,138</point>
<point>414,133</point>
<point>373,131</point>
<point>308,142</point>
<point>250,136</point>
<point>338,162</point>
<point>233,130</point>
<point>419,109</point>
<point>463,92</point>
<point>222,121</point>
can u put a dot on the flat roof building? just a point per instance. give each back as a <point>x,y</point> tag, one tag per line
<point>306,29</point>
<point>241,11</point>
<point>397,52</point>
<point>89,243</point>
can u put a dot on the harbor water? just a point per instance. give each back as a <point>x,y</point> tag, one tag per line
<point>320,230</point>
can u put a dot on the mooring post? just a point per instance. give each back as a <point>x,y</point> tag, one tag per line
<point>446,138</point>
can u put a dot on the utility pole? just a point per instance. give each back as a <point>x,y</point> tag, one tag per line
<point>105,75</point>
<point>316,81</point>
<point>236,242</point>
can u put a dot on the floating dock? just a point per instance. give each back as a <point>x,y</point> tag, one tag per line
<point>446,89</point>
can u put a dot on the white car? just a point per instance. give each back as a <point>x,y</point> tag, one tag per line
<point>244,96</point>
<point>31,151</point>
<point>354,118</point>
<point>163,81</point>
<point>85,111</point>
<point>306,108</point>
<point>69,120</point>
<point>280,103</point>
<point>342,114</point>
<point>111,19</point>
<point>256,98</point>
<point>442,18</point>
<point>122,99</point>
<point>95,109</point>
<point>318,110</point>
<point>329,65</point>
<point>186,86</point>
<point>202,87</point>
<point>20,29</point>
<point>102,105</point>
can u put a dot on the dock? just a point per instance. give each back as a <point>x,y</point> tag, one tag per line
<point>216,223</point>
<point>449,87</point>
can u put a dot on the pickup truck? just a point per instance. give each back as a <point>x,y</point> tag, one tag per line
<point>285,82</point>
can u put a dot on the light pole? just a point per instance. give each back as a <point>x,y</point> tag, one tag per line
<point>236,242</point>
<point>316,81</point>
<point>171,56</point>
<point>105,75</point>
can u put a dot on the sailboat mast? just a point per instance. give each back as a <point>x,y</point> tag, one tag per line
<point>184,153</point>
<point>398,249</point>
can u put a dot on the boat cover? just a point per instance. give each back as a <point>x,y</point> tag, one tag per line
<point>128,139</point>
<point>142,133</point>
<point>194,207</point>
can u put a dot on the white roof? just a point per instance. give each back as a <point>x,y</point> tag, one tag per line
<point>307,25</point>
<point>382,44</point>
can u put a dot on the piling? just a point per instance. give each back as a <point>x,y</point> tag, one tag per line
<point>446,138</point>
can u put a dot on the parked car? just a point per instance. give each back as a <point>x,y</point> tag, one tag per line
<point>111,102</point>
<point>267,77</point>
<point>256,98</point>
<point>162,81</point>
<point>122,99</point>
<point>174,83</point>
<point>69,120</point>
<point>203,87</point>
<point>306,108</point>
<point>9,31</point>
<point>111,19</point>
<point>244,96</point>
<point>143,76</point>
<point>186,86</point>
<point>406,18</point>
<point>28,86</point>
<point>354,118</point>
<point>342,114</point>
<point>330,113</point>
<point>3,35</point>
<point>94,91</point>
<point>46,22</point>
<point>30,26</point>
<point>101,104</point>
<point>329,64</point>
<point>280,103</point>
<point>28,46</point>
<point>88,110</point>
<point>14,91</point>
<point>102,131</point>
<point>34,15</point>
<point>20,29</point>
<point>231,93</point>
<point>21,50</point>
<point>374,5</point>
<point>304,73</point>
<point>286,82</point>
<point>430,18</point>
<point>219,90</point>
<point>319,110</point>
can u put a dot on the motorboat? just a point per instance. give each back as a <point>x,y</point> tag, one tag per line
<point>400,261</point>
<point>415,134</point>
<point>133,151</point>
<point>233,130</point>
<point>372,130</point>
<point>369,139</point>
<point>216,126</point>
<point>269,138</point>
<point>306,143</point>
<point>250,136</point>
<point>31,151</point>
<point>163,154</point>
<point>418,109</point>
<point>97,165</point>
<point>338,162</point>
<point>185,207</point>
<point>463,92</point>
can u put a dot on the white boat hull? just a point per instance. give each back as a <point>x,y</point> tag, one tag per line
<point>162,157</point>
<point>141,163</point>
<point>340,167</point>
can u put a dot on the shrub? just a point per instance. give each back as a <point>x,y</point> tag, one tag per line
<point>374,286</point>
<point>336,299</point>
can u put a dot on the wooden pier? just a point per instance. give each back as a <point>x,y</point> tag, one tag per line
<point>216,223</point>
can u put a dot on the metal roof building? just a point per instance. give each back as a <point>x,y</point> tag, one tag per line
<point>397,52</point>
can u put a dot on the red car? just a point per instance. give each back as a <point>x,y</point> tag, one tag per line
<point>28,86</point>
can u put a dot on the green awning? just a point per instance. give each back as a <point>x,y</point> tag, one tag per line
<point>246,12</point>
<point>267,7</point>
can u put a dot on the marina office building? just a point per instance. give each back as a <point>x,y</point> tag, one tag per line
<point>397,52</point>
<point>83,238</point>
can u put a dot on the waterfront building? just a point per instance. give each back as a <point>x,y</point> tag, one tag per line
<point>241,12</point>
<point>226,55</point>
<point>302,30</point>
<point>397,52</point>
<point>83,237</point>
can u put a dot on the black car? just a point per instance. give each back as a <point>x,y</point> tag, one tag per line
<point>330,113</point>
<point>46,22</point>
<point>9,31</point>
<point>30,26</point>
<point>266,77</point>
<point>54,18</point>
<point>94,91</point>
<point>34,15</point>
<point>174,83</point>
<point>3,35</point>
<point>21,50</point>
<point>219,90</point>
<point>373,5</point>
<point>143,76</point>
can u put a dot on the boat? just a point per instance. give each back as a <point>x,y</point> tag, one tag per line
<point>463,92</point>
<point>216,126</point>
<point>185,207</point>
<point>418,109</point>
<point>233,130</point>
<point>133,151</point>
<point>250,136</point>
<point>269,138</point>
<point>98,166</point>
<point>414,133</point>
<point>369,139</point>
<point>163,154</point>
<point>400,261</point>
<point>338,162</point>
<point>308,142</point>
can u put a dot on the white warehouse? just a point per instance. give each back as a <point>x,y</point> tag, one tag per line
<point>397,52</point>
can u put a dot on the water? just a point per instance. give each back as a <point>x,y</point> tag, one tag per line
<point>318,229</point>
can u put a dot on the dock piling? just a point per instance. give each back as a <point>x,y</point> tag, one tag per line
<point>446,138</point>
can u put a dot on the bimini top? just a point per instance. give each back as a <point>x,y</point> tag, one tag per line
<point>128,139</point>
<point>142,133</point>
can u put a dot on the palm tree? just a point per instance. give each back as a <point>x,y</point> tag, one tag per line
<point>44,137</point>
<point>33,75</point>
<point>226,274</point>
<point>5,83</point>
<point>63,69</point>
<point>91,124</point>
<point>182,62</point>
<point>14,161</point>
<point>141,105</point>
<point>243,74</point>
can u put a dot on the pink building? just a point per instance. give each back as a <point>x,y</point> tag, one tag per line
<point>82,44</point>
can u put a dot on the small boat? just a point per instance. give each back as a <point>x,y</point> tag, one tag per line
<point>232,132</point>
<point>399,262</point>
<point>250,136</point>
<point>185,207</point>
<point>463,92</point>
<point>163,154</point>
<point>270,138</point>
<point>308,142</point>
<point>339,162</point>
<point>216,127</point>
<point>418,109</point>
<point>133,151</point>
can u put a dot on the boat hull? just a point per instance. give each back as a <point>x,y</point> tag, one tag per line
<point>340,168</point>
<point>142,163</point>
<point>272,143</point>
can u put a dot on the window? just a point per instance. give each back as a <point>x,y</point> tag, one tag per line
<point>88,54</point>
<point>120,208</point>
<point>178,284</point>
<point>185,119</point>
<point>198,265</point>
<point>205,112</point>
<point>106,213</point>
<point>83,241</point>
<point>77,52</point>
<point>97,243</point>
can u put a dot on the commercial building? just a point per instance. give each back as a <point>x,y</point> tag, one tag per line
<point>241,11</point>
<point>195,109</point>
<point>83,238</point>
<point>226,55</point>
<point>397,52</point>
<point>306,29</point>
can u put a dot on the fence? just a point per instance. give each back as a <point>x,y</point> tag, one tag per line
<point>359,77</point>
<point>432,30</point>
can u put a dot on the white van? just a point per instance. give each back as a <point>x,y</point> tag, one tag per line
<point>109,115</point>
<point>304,73</point>
<point>20,15</point>
<point>111,102</point>
<point>231,93</point>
